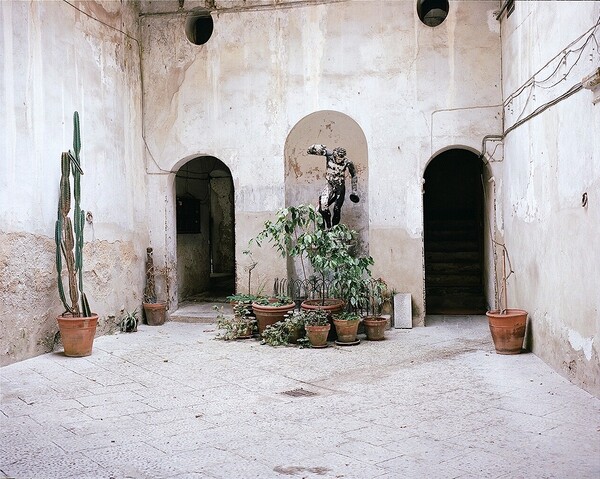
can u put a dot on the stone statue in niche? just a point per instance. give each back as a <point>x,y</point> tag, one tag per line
<point>335,190</point>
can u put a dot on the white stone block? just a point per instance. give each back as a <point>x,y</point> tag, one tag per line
<point>402,310</point>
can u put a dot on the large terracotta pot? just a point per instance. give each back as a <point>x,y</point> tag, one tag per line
<point>330,305</point>
<point>156,313</point>
<point>267,315</point>
<point>375,327</point>
<point>77,334</point>
<point>508,330</point>
<point>346,330</point>
<point>317,335</point>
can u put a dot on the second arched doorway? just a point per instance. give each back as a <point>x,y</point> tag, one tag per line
<point>205,229</point>
<point>453,233</point>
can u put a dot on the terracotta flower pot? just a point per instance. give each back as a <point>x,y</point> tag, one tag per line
<point>346,330</point>
<point>375,327</point>
<point>508,330</point>
<point>156,313</point>
<point>267,315</point>
<point>330,305</point>
<point>317,335</point>
<point>77,334</point>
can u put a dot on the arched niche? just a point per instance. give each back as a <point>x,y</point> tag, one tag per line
<point>305,174</point>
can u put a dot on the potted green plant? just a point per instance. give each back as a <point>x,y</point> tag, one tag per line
<point>269,310</point>
<point>154,310</point>
<point>77,324</point>
<point>298,231</point>
<point>317,326</point>
<point>507,325</point>
<point>346,327</point>
<point>285,332</point>
<point>240,325</point>
<point>247,298</point>
<point>375,325</point>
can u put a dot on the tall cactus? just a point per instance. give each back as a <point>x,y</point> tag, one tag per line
<point>69,235</point>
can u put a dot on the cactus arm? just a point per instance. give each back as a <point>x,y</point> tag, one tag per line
<point>59,252</point>
<point>69,235</point>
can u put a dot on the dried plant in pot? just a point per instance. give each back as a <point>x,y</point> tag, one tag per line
<point>77,324</point>
<point>155,311</point>
<point>507,325</point>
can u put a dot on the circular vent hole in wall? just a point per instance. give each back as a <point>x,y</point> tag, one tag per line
<point>199,27</point>
<point>432,12</point>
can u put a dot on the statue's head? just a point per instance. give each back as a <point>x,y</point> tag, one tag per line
<point>339,154</point>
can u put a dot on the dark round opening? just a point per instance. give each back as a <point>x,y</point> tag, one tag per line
<point>199,27</point>
<point>432,12</point>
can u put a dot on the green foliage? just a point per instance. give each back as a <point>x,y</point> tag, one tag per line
<point>129,322</point>
<point>238,325</point>
<point>378,295</point>
<point>346,316</point>
<point>243,298</point>
<point>68,234</point>
<point>314,317</point>
<point>284,332</point>
<point>274,301</point>
<point>299,232</point>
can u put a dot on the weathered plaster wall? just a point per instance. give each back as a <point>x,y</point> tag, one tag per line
<point>412,89</point>
<point>550,162</point>
<point>58,58</point>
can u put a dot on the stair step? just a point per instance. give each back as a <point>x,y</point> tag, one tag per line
<point>455,304</point>
<point>451,257</point>
<point>444,290</point>
<point>191,312</point>
<point>452,246</point>
<point>453,280</point>
<point>433,268</point>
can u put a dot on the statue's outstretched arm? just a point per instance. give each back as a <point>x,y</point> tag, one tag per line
<point>317,150</point>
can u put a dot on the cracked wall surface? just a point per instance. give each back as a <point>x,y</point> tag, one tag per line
<point>413,91</point>
<point>28,286</point>
<point>58,58</point>
<point>551,161</point>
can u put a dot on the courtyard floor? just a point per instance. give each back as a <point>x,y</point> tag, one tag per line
<point>172,402</point>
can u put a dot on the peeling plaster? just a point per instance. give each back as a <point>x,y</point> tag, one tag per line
<point>579,343</point>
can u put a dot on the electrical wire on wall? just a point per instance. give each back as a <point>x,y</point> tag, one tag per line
<point>557,72</point>
<point>544,81</point>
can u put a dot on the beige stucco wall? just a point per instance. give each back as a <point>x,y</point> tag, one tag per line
<point>55,59</point>
<point>413,90</point>
<point>550,162</point>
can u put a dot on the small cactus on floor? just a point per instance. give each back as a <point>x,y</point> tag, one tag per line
<point>129,322</point>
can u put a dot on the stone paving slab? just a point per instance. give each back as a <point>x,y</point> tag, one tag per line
<point>173,402</point>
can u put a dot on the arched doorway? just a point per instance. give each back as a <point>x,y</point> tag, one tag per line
<point>453,229</point>
<point>205,229</point>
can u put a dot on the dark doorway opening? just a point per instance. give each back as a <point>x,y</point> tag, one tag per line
<point>453,229</point>
<point>205,230</point>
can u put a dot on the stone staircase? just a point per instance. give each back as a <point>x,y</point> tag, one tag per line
<point>453,267</point>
